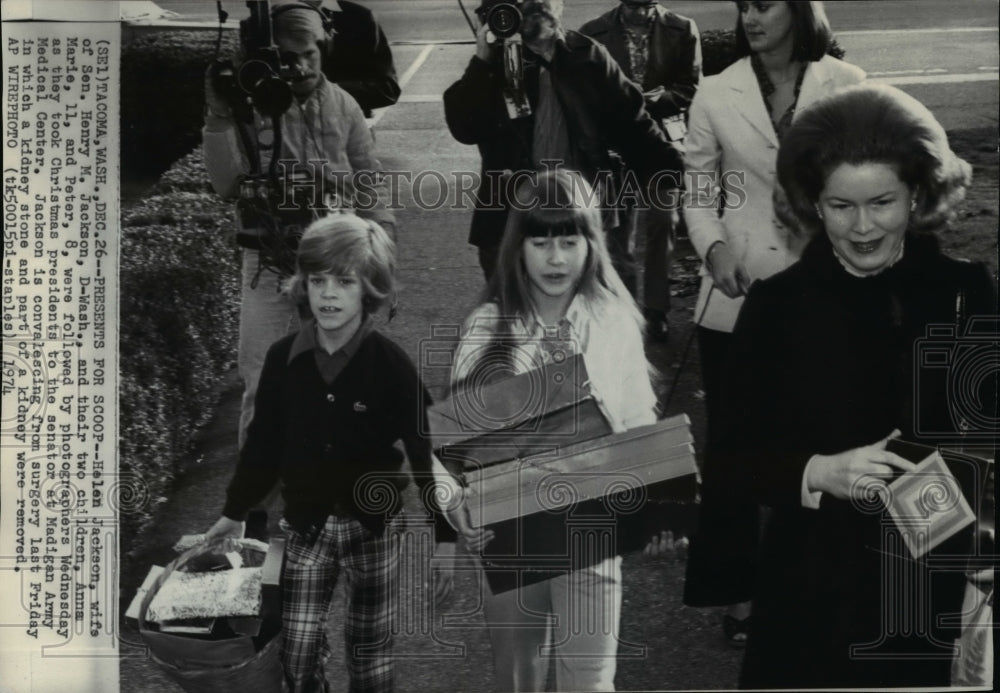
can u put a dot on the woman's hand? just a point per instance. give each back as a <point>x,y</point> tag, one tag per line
<point>728,273</point>
<point>226,528</point>
<point>653,96</point>
<point>842,475</point>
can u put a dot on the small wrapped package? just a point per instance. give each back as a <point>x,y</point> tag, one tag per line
<point>937,500</point>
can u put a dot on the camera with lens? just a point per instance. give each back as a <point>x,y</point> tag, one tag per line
<point>260,80</point>
<point>503,17</point>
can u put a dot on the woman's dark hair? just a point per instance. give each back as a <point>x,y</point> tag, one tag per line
<point>810,27</point>
<point>868,123</point>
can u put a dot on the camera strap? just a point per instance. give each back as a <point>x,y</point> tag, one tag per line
<point>467,18</point>
<point>684,355</point>
<point>223,16</point>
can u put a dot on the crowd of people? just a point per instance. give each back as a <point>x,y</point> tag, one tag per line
<point>812,199</point>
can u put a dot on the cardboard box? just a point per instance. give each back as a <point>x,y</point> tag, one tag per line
<point>542,409</point>
<point>567,510</point>
<point>605,467</point>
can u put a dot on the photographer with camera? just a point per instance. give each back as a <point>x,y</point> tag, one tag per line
<point>661,52</point>
<point>561,103</point>
<point>302,151</point>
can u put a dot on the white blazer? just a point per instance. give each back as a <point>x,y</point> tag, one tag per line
<point>731,134</point>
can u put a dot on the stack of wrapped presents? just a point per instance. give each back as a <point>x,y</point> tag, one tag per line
<point>547,474</point>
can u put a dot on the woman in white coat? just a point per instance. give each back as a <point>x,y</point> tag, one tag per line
<point>736,122</point>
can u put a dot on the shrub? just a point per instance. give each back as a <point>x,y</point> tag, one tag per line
<point>163,75</point>
<point>179,306</point>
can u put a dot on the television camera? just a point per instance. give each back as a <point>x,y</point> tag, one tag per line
<point>503,17</point>
<point>261,80</point>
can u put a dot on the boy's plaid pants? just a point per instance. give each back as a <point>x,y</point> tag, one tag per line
<point>370,565</point>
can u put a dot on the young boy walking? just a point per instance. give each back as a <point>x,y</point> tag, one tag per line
<point>333,400</point>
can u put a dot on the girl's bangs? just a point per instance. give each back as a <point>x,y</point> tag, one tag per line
<point>550,223</point>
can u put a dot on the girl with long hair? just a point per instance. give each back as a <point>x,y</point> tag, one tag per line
<point>554,294</point>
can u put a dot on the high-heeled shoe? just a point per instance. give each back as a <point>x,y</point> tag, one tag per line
<point>657,326</point>
<point>736,630</point>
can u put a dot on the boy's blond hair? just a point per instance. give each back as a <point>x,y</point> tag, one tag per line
<point>342,244</point>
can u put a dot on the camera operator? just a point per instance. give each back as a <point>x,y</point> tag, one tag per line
<point>661,52</point>
<point>580,105</point>
<point>358,60</point>
<point>325,159</point>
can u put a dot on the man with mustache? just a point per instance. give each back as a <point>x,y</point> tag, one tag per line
<point>325,159</point>
<point>359,60</point>
<point>581,106</point>
<point>660,51</point>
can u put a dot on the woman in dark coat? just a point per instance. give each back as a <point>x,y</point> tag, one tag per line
<point>737,121</point>
<point>825,370</point>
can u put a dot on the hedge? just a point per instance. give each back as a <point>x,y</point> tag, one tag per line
<point>163,76</point>
<point>179,306</point>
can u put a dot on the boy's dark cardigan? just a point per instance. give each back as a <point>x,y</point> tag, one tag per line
<point>332,446</point>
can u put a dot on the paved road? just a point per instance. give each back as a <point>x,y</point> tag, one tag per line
<point>911,43</point>
<point>443,20</point>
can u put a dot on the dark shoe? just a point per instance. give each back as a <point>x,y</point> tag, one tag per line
<point>657,327</point>
<point>736,630</point>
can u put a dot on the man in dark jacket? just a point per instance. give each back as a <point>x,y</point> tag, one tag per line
<point>581,106</point>
<point>660,52</point>
<point>359,59</point>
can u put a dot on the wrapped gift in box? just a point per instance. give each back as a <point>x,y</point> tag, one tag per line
<point>940,498</point>
<point>569,508</point>
<point>613,464</point>
<point>542,409</point>
<point>242,606</point>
